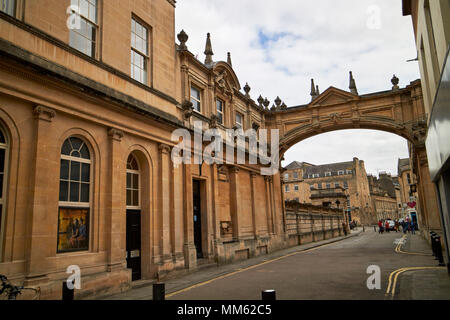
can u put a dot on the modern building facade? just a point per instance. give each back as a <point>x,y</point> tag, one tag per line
<point>431,25</point>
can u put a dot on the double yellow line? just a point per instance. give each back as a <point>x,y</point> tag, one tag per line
<point>393,277</point>
<point>398,248</point>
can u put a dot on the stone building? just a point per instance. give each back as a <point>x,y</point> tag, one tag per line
<point>86,118</point>
<point>383,193</point>
<point>337,185</point>
<point>431,25</point>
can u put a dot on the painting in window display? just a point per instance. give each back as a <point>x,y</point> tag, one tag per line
<point>73,229</point>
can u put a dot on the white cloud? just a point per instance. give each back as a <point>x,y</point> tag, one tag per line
<point>322,39</point>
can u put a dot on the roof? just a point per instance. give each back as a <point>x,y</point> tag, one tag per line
<point>295,165</point>
<point>332,167</point>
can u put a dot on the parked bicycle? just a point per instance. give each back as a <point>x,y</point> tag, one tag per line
<point>8,291</point>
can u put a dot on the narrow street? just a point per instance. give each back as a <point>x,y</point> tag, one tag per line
<point>333,271</point>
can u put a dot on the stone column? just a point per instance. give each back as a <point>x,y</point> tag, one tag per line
<point>253,177</point>
<point>268,204</point>
<point>236,202</point>
<point>40,244</point>
<point>190,252</point>
<point>176,217</point>
<point>116,225</point>
<point>164,202</point>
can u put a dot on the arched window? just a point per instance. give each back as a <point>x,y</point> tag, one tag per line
<point>133,183</point>
<point>3,172</point>
<point>74,195</point>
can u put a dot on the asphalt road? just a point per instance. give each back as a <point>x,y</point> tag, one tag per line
<point>334,271</point>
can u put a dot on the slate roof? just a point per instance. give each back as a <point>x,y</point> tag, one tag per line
<point>332,167</point>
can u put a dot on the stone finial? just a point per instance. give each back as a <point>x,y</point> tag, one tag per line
<point>352,85</point>
<point>183,38</point>
<point>208,50</point>
<point>313,90</point>
<point>247,90</point>
<point>266,103</point>
<point>278,102</point>
<point>284,106</point>
<point>229,59</point>
<point>260,100</point>
<point>317,90</point>
<point>395,82</point>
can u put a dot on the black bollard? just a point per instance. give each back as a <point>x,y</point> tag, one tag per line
<point>159,292</point>
<point>439,251</point>
<point>268,295</point>
<point>433,245</point>
<point>67,294</point>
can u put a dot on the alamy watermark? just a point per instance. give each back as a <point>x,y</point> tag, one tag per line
<point>374,280</point>
<point>74,280</point>
<point>235,139</point>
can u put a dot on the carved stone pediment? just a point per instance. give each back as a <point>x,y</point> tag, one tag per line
<point>225,79</point>
<point>333,96</point>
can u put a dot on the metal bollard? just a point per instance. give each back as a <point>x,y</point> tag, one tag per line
<point>67,294</point>
<point>159,292</point>
<point>433,244</point>
<point>268,295</point>
<point>439,251</point>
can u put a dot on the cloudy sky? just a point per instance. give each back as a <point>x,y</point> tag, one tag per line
<point>277,46</point>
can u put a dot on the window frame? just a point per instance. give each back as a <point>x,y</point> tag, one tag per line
<point>239,125</point>
<point>296,187</point>
<point>199,100</point>
<point>220,114</point>
<point>96,25</point>
<point>328,174</point>
<point>138,173</point>
<point>286,188</point>
<point>14,6</point>
<point>70,205</point>
<point>144,55</point>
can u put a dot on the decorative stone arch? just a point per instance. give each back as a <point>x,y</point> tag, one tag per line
<point>148,202</point>
<point>12,158</point>
<point>95,155</point>
<point>398,111</point>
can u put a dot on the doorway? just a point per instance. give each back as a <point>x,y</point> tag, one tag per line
<point>134,243</point>
<point>197,216</point>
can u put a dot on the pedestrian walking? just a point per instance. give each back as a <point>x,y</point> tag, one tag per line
<point>386,225</point>
<point>380,227</point>
<point>413,227</point>
<point>397,225</point>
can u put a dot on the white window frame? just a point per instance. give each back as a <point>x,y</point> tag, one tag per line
<point>286,188</point>
<point>199,100</point>
<point>144,55</point>
<point>239,124</point>
<point>88,21</point>
<point>328,174</point>
<point>12,3</point>
<point>72,204</point>
<point>138,172</point>
<point>220,112</point>
<point>341,173</point>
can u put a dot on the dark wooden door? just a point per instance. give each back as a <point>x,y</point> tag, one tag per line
<point>134,243</point>
<point>197,218</point>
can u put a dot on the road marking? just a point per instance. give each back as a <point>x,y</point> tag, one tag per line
<point>395,274</point>
<point>398,248</point>
<point>245,269</point>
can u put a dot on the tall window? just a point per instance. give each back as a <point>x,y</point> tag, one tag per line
<point>286,188</point>
<point>8,7</point>
<point>3,152</point>
<point>133,183</point>
<point>296,187</point>
<point>219,107</point>
<point>84,39</point>
<point>239,119</point>
<point>74,194</point>
<point>139,51</point>
<point>345,185</point>
<point>195,99</point>
<point>295,175</point>
<point>286,176</point>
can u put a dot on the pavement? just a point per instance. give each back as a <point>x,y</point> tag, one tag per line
<point>329,269</point>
